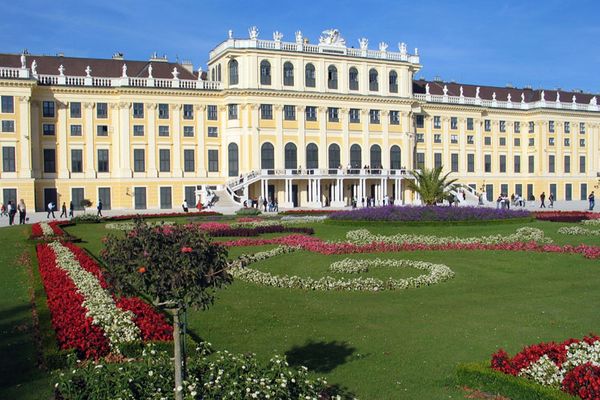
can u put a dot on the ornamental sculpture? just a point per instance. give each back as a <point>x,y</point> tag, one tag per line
<point>477,92</point>
<point>298,37</point>
<point>34,67</point>
<point>23,60</point>
<point>124,70</point>
<point>445,89</point>
<point>543,96</point>
<point>332,37</point>
<point>574,99</point>
<point>383,47</point>
<point>461,92</point>
<point>61,70</point>
<point>363,43</point>
<point>427,89</point>
<point>403,49</point>
<point>494,96</point>
<point>230,34</point>
<point>253,32</point>
<point>593,101</point>
<point>558,97</point>
<point>175,73</point>
<point>150,71</point>
<point>88,72</point>
<point>277,36</point>
<point>508,98</point>
<point>522,97</point>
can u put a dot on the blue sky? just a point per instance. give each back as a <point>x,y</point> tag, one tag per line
<point>540,43</point>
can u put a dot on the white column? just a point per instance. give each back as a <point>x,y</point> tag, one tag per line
<point>262,188</point>
<point>385,151</point>
<point>35,140</point>
<point>152,172</point>
<point>176,124</point>
<point>319,193</point>
<point>310,191</point>
<point>25,138</point>
<point>200,132</point>
<point>366,150</point>
<point>115,150</point>
<point>61,140</point>
<point>88,134</point>
<point>123,134</point>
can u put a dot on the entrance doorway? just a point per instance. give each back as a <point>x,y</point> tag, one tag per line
<point>50,195</point>
<point>295,195</point>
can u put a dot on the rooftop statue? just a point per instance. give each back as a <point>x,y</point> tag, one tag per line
<point>253,32</point>
<point>175,73</point>
<point>363,43</point>
<point>445,89</point>
<point>477,92</point>
<point>574,99</point>
<point>230,34</point>
<point>558,97</point>
<point>461,92</point>
<point>427,89</point>
<point>88,72</point>
<point>494,96</point>
<point>523,97</point>
<point>61,70</point>
<point>402,47</point>
<point>383,46</point>
<point>594,101</point>
<point>150,71</point>
<point>332,37</point>
<point>508,98</point>
<point>543,96</point>
<point>23,60</point>
<point>277,36</point>
<point>34,67</point>
<point>124,69</point>
<point>298,37</point>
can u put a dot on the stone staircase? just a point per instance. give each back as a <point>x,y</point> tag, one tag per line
<point>224,203</point>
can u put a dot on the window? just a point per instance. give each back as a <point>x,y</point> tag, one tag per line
<point>166,197</point>
<point>502,141</point>
<point>48,129</point>
<point>163,111</point>
<point>420,138</point>
<point>531,127</point>
<point>375,156</point>
<point>232,111</point>
<point>189,162</point>
<point>76,160</point>
<point>163,130</point>
<point>517,164</point>
<point>312,156</point>
<point>8,126</point>
<point>519,189</point>
<point>188,131</point>
<point>267,156</point>
<point>373,80</point>
<point>487,125</point>
<point>502,126</point>
<point>48,109</point>
<point>265,72</point>
<point>139,194</point>
<point>75,109</point>
<point>395,157</point>
<point>213,160</point>
<point>211,113</point>
<point>581,142</point>
<point>531,142</point>
<point>233,159</point>
<point>453,123</point>
<point>139,160</point>
<point>354,115</point>
<point>568,191</point>
<point>454,162</point>
<point>8,104</point>
<point>420,164</point>
<point>437,138</point>
<point>567,166</point>
<point>502,163</point>
<point>233,72</point>
<point>551,126</point>
<point>487,161</point>
<point>102,130</point>
<point>582,128</point>
<point>469,124</point>
<point>437,160</point>
<point>290,156</point>
<point>289,113</point>
<point>138,110</point>
<point>288,74</point>
<point>101,110</point>
<point>454,139</point>
<point>437,122</point>
<point>213,131</point>
<point>517,142</point>
<point>355,156</point>
<point>334,156</point>
<point>583,191</point>
<point>164,160</point>
<point>190,194</point>
<point>77,196</point>
<point>394,117</point>
<point>470,139</point>
<point>470,162</point>
<point>531,164</point>
<point>103,160</point>
<point>420,121</point>
<point>550,141</point>
<point>49,160</point>
<point>353,79</point>
<point>582,164</point>
<point>393,82</point>
<point>333,114</point>
<point>311,113</point>
<point>567,127</point>
<point>8,159</point>
<point>517,127</point>
<point>138,130</point>
<point>487,140</point>
<point>266,111</point>
<point>374,116</point>
<point>332,79</point>
<point>309,75</point>
<point>567,142</point>
<point>75,130</point>
<point>551,163</point>
<point>188,111</point>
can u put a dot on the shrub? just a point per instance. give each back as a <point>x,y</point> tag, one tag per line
<point>248,211</point>
<point>86,219</point>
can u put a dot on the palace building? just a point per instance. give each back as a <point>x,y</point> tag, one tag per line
<point>309,125</point>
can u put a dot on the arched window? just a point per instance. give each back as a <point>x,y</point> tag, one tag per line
<point>375,156</point>
<point>232,156</point>
<point>265,72</point>
<point>332,78</point>
<point>355,156</point>
<point>267,156</point>
<point>395,157</point>
<point>373,80</point>
<point>353,79</point>
<point>312,156</point>
<point>334,156</point>
<point>219,72</point>
<point>290,154</point>
<point>309,76</point>
<point>393,82</point>
<point>288,74</point>
<point>233,72</point>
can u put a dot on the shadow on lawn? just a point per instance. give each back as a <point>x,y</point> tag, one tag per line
<point>320,356</point>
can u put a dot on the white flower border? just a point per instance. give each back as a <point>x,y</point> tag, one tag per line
<point>117,324</point>
<point>129,225</point>
<point>287,220</point>
<point>581,229</point>
<point>47,230</point>
<point>437,273</point>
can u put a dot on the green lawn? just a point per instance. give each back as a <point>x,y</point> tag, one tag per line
<point>404,344</point>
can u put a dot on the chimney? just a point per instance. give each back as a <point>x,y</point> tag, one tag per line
<point>187,64</point>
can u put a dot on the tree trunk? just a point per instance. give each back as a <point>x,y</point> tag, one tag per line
<point>178,360</point>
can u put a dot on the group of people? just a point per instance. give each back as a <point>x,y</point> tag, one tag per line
<point>51,207</point>
<point>371,202</point>
<point>10,210</point>
<point>270,205</point>
<point>516,200</point>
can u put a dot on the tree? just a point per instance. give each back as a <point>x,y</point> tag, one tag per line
<point>175,266</point>
<point>431,187</point>
<point>85,203</point>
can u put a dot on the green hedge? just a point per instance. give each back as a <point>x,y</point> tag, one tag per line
<point>248,211</point>
<point>362,223</point>
<point>481,376</point>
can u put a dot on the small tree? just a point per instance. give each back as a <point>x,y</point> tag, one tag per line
<point>85,203</point>
<point>431,187</point>
<point>177,267</point>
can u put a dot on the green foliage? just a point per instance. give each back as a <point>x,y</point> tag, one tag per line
<point>248,211</point>
<point>175,266</point>
<point>86,219</point>
<point>85,203</point>
<point>481,376</point>
<point>431,187</point>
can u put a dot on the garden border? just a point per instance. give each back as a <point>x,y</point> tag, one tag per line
<point>347,222</point>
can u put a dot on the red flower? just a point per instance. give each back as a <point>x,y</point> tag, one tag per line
<point>186,249</point>
<point>142,269</point>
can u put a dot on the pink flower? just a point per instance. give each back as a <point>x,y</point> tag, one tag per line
<point>186,249</point>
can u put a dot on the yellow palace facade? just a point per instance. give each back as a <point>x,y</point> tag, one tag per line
<point>308,125</point>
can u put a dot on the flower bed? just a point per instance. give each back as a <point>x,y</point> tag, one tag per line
<point>163,215</point>
<point>429,214</point>
<point>217,229</point>
<point>48,230</point>
<point>565,216</point>
<point>129,225</point>
<point>309,212</point>
<point>571,365</point>
<point>85,316</point>
<point>578,230</point>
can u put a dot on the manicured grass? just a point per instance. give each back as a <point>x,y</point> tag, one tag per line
<point>405,344</point>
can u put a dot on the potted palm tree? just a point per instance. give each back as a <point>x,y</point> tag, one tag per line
<point>431,186</point>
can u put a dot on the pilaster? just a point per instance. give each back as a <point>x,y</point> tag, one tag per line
<point>25,167</point>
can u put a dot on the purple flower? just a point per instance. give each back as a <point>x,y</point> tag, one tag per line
<point>429,213</point>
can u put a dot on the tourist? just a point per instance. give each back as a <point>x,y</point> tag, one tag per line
<point>184,205</point>
<point>275,206</point>
<point>551,200</point>
<point>71,209</point>
<point>199,205</point>
<point>50,208</point>
<point>480,202</point>
<point>3,210</point>
<point>265,204</point>
<point>11,209</point>
<point>63,210</point>
<point>99,208</point>
<point>592,200</point>
<point>22,212</point>
<point>543,200</point>
<point>362,201</point>
<point>499,202</point>
<point>513,199</point>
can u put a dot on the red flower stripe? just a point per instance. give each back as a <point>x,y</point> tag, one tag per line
<point>565,216</point>
<point>583,381</point>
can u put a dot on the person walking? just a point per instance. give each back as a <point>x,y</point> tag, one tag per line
<point>50,210</point>
<point>22,212</point>
<point>71,209</point>
<point>99,208</point>
<point>63,210</point>
<point>543,200</point>
<point>592,200</point>
<point>265,204</point>
<point>184,205</point>
<point>551,200</point>
<point>12,210</point>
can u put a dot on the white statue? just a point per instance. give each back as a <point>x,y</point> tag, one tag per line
<point>150,71</point>
<point>558,97</point>
<point>363,43</point>
<point>402,47</point>
<point>253,32</point>
<point>494,96</point>
<point>175,73</point>
<point>383,47</point>
<point>332,37</point>
<point>477,92</point>
<point>508,97</point>
<point>298,37</point>
<point>522,97</point>
<point>277,36</point>
<point>230,34</point>
<point>124,68</point>
<point>61,70</point>
<point>543,96</point>
<point>23,60</point>
<point>594,101</point>
<point>461,92</point>
<point>427,89</point>
<point>88,72</point>
<point>200,73</point>
<point>445,90</point>
<point>34,67</point>
<point>574,99</point>
<point>416,51</point>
